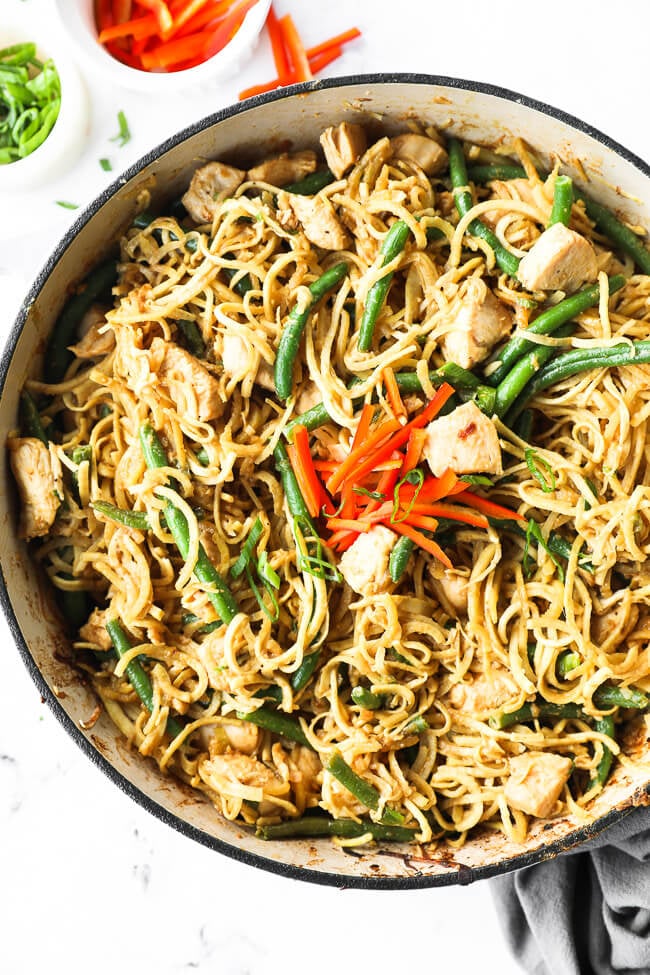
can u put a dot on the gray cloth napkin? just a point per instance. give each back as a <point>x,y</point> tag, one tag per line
<point>585,912</point>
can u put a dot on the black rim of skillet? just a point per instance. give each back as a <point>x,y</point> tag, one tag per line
<point>464,875</point>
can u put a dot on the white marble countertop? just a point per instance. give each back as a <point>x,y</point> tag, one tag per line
<point>90,882</point>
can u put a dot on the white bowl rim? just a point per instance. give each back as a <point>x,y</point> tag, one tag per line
<point>465,875</point>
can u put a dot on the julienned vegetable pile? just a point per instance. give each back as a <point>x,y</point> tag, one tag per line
<point>30,99</point>
<point>339,469</point>
<point>162,36</point>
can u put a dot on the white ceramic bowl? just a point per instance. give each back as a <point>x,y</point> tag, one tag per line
<point>242,134</point>
<point>65,141</point>
<point>78,20</point>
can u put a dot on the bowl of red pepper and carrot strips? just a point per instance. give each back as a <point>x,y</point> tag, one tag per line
<point>383,480</point>
<point>155,45</point>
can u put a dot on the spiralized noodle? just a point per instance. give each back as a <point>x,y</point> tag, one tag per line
<point>516,612</point>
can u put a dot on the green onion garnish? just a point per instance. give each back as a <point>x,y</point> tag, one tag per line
<point>124,135</point>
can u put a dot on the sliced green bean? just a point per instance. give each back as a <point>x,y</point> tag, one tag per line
<point>295,326</point>
<point>524,369</point>
<point>122,516</point>
<point>393,245</point>
<point>399,557</point>
<point>57,356</point>
<point>292,492</point>
<point>301,677</point>
<point>562,201</point>
<point>31,424</point>
<point>280,724</point>
<point>523,428</point>
<point>506,260</point>
<point>617,232</point>
<point>547,323</point>
<point>532,710</point>
<point>360,789</point>
<point>192,336</point>
<point>75,605</point>
<point>576,361</point>
<point>215,586</point>
<point>604,726</point>
<point>503,171</point>
<point>367,699</point>
<point>138,678</point>
<point>312,184</point>
<point>611,696</point>
<point>344,828</point>
<point>567,661</point>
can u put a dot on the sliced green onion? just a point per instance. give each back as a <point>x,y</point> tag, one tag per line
<point>541,470</point>
<point>67,205</point>
<point>247,549</point>
<point>534,534</point>
<point>415,477</point>
<point>124,134</point>
<point>106,165</point>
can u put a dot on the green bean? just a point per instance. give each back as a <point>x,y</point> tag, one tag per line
<point>122,516</point>
<point>311,184</point>
<point>280,724</point>
<point>532,710</point>
<point>547,323</point>
<point>617,232</point>
<point>604,726</point>
<point>562,201</point>
<point>142,220</point>
<point>300,677</point>
<point>367,699</point>
<point>506,260</point>
<point>345,828</point>
<point>295,326</point>
<point>192,336</point>
<point>524,369</point>
<point>567,661</point>
<point>605,221</point>
<point>503,171</point>
<point>416,726</point>
<point>136,673</point>
<point>360,789</point>
<point>189,618</point>
<point>57,356</point>
<point>292,492</point>
<point>610,696</point>
<point>523,428</point>
<point>313,418</point>
<point>30,419</point>
<point>215,587</point>
<point>399,557</point>
<point>244,284</point>
<point>455,375</point>
<point>580,360</point>
<point>392,246</point>
<point>75,604</point>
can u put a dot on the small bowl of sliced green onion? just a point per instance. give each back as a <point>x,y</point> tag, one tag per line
<point>43,109</point>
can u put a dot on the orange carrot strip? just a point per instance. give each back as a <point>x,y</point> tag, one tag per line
<point>161,12</point>
<point>228,28</point>
<point>337,41</point>
<point>414,450</point>
<point>452,511</point>
<point>259,89</point>
<point>173,52</point>
<point>276,36</point>
<point>347,524</point>
<point>342,540</point>
<point>141,27</point>
<point>363,426</point>
<point>381,432</point>
<point>421,521</point>
<point>487,507</point>
<point>307,476</point>
<point>103,14</point>
<point>433,489</point>
<point>325,466</point>
<point>296,50</point>
<point>392,393</point>
<point>321,61</point>
<point>312,500</point>
<point>422,541</point>
<point>185,14</point>
<point>385,485</point>
<point>205,16</point>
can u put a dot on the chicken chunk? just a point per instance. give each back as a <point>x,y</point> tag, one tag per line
<point>94,343</point>
<point>242,736</point>
<point>422,150</point>
<point>559,260</point>
<point>308,396</point>
<point>343,145</point>
<point>478,321</point>
<point>239,360</point>
<point>193,389</point>
<point>364,565</point>
<point>37,472</point>
<point>209,185</point>
<point>94,629</point>
<point>536,780</point>
<point>285,168</point>
<point>465,441</point>
<point>487,692</point>
<point>451,590</point>
<point>319,221</point>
